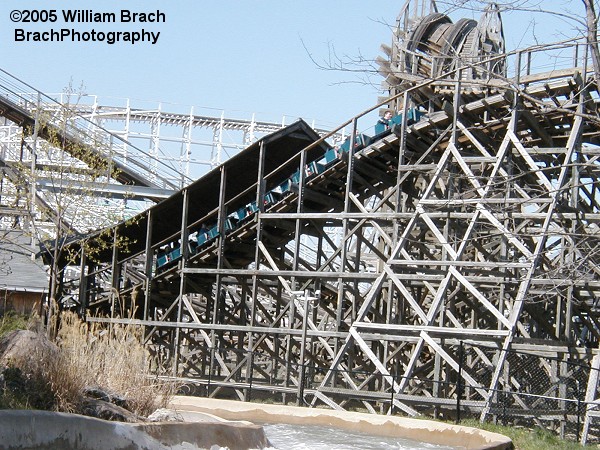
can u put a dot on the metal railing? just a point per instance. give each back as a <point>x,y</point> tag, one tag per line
<point>80,130</point>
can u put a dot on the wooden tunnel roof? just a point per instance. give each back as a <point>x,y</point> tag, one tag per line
<point>282,149</point>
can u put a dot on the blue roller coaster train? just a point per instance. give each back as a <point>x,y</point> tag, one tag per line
<point>170,253</point>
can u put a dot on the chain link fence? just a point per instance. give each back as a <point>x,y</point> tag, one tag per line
<point>533,389</point>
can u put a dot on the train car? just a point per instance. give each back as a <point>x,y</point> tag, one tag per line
<point>329,157</point>
<point>206,234</point>
<point>360,141</point>
<point>413,115</point>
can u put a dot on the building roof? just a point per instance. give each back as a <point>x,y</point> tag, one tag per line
<point>17,270</point>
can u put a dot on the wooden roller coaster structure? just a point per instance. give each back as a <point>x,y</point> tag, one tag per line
<point>399,275</point>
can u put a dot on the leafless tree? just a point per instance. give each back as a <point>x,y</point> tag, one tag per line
<point>73,165</point>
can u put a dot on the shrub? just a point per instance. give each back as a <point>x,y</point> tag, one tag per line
<point>27,357</point>
<point>12,321</point>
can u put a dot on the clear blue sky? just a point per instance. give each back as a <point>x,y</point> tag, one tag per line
<point>239,56</point>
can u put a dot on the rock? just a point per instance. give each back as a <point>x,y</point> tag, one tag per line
<point>98,393</point>
<point>104,410</point>
<point>165,415</point>
<point>24,355</point>
<point>22,345</point>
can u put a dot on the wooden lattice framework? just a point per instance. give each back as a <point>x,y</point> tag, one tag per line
<point>477,224</point>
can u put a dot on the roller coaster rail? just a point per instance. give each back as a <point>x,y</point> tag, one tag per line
<point>28,102</point>
<point>167,171</point>
<point>193,158</point>
<point>142,176</point>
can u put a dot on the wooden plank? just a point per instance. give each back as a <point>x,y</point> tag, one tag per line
<point>432,330</point>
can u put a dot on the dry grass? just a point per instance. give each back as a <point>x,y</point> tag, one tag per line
<point>113,359</point>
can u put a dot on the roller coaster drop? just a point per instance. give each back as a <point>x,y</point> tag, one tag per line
<point>389,274</point>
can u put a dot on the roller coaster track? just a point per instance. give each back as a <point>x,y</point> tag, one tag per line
<point>459,206</point>
<point>108,112</point>
<point>21,103</point>
<point>195,143</point>
<point>401,274</point>
<point>24,105</point>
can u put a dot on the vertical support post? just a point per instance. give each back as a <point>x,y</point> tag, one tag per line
<point>114,282</point>
<point>241,335</point>
<point>590,396</point>
<point>148,268</point>
<point>299,210</point>
<point>126,131</point>
<point>579,391</point>
<point>356,284</point>
<point>155,143</point>
<point>302,363</point>
<point>561,373</point>
<point>185,170</point>
<point>459,381</point>
<point>343,252</point>
<point>456,109</point>
<point>575,182</point>
<point>446,233</point>
<point>220,250</point>
<point>586,53</point>
<point>183,248</point>
<point>83,301</point>
<point>399,206</point>
<point>391,410</point>
<point>279,339</point>
<point>33,183</point>
<point>219,142</point>
<point>295,262</point>
<point>260,195</point>
<point>401,149</point>
<point>221,220</point>
<point>504,396</point>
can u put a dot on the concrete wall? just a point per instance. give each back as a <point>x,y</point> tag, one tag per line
<point>415,429</point>
<point>45,430</point>
<point>208,423</point>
